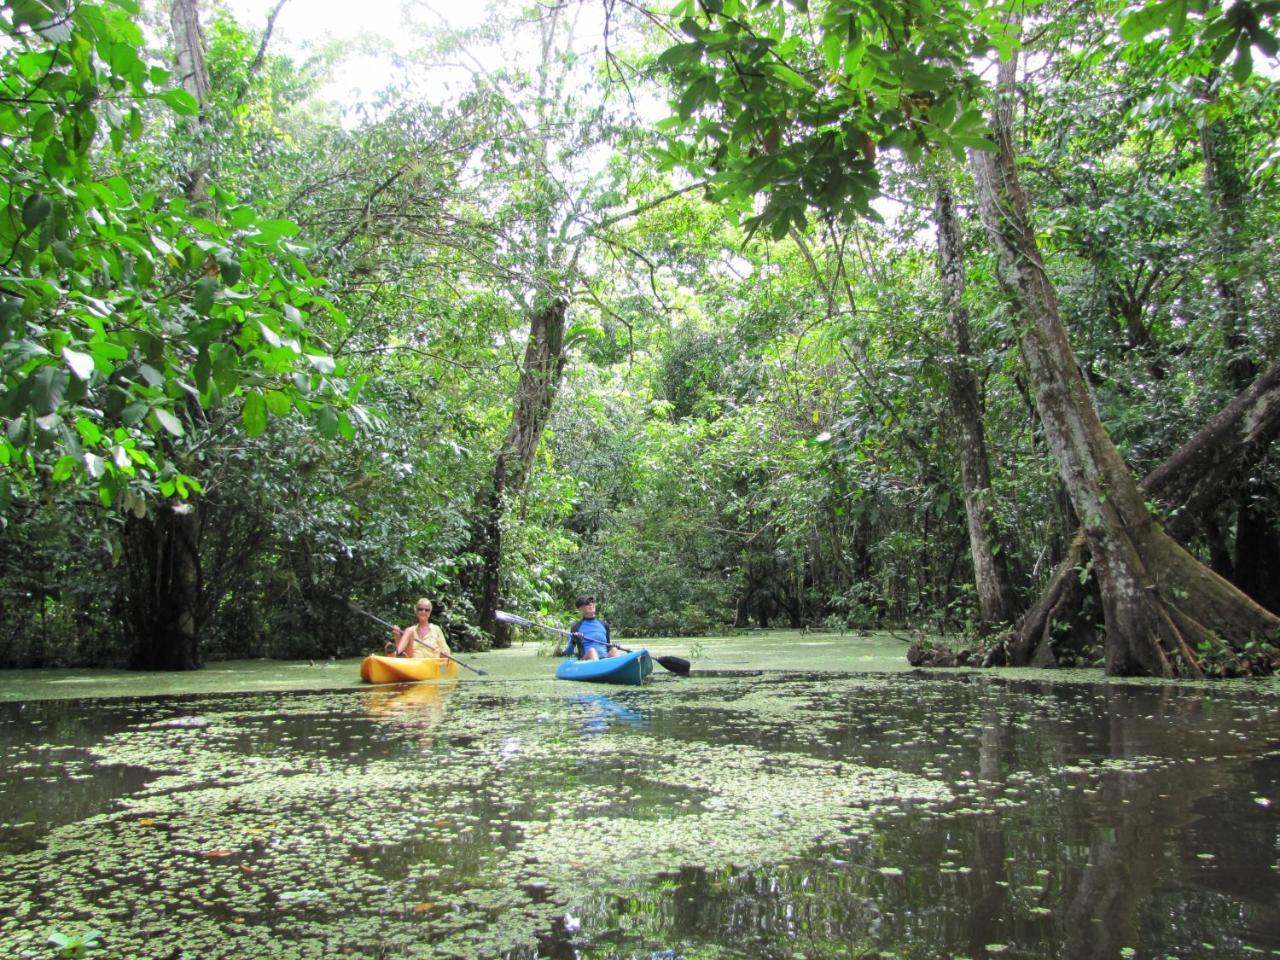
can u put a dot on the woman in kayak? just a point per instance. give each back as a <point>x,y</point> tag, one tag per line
<point>423,640</point>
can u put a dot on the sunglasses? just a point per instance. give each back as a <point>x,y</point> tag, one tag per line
<point>428,609</point>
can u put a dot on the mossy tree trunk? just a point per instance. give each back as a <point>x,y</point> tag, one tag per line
<point>1166,614</point>
<point>996,600</point>
<point>1190,487</point>
<point>540,378</point>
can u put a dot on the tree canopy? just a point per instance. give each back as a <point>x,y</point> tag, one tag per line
<point>753,358</point>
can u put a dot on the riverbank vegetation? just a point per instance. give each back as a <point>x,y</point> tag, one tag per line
<point>791,315</point>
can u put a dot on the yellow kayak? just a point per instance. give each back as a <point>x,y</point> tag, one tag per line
<point>377,669</point>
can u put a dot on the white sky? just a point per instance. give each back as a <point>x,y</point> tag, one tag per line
<point>386,26</point>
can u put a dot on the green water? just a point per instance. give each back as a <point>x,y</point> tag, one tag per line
<point>759,816</point>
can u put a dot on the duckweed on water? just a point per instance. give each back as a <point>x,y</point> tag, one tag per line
<point>471,820</point>
<point>242,835</point>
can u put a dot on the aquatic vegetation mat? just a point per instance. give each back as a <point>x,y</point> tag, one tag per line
<point>729,817</point>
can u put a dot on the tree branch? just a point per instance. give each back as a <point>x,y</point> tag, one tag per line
<point>262,54</point>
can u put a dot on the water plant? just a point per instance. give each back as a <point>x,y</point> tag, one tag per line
<point>74,945</point>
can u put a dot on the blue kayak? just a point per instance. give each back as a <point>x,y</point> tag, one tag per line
<point>630,669</point>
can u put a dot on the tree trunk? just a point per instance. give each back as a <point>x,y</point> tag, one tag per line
<point>1225,189</point>
<point>1190,487</point>
<point>163,585</point>
<point>188,49</point>
<point>1257,554</point>
<point>1166,614</point>
<point>1256,564</point>
<point>193,74</point>
<point>540,377</point>
<point>995,595</point>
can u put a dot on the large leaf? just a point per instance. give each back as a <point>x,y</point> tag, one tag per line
<point>168,421</point>
<point>182,102</point>
<point>35,209</point>
<point>254,414</point>
<point>81,364</point>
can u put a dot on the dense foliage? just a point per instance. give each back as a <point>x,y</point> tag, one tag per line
<point>752,418</point>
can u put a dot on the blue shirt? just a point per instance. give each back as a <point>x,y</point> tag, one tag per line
<point>595,636</point>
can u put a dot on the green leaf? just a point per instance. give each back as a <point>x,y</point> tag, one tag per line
<point>1224,47</point>
<point>1146,20</point>
<point>132,414</point>
<point>183,103</point>
<point>681,53</point>
<point>943,112</point>
<point>275,229</point>
<point>693,97</point>
<point>1243,67</point>
<point>255,414</point>
<point>63,253</point>
<point>167,420</point>
<point>63,469</point>
<point>88,430</point>
<point>229,267</point>
<point>81,364</point>
<point>327,421</point>
<point>48,386</point>
<point>10,310</point>
<point>278,403</point>
<point>35,209</point>
<point>793,79</point>
<point>206,289</point>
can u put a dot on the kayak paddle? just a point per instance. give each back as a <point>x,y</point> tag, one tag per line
<point>677,665</point>
<point>391,626</point>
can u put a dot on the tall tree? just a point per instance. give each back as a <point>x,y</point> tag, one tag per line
<point>554,210</point>
<point>996,600</point>
<point>1166,613</point>
<point>162,554</point>
<point>793,107</point>
<point>128,314</point>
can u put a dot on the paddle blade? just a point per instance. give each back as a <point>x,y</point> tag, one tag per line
<point>677,665</point>
<point>503,617</point>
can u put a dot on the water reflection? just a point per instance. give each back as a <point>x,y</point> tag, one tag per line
<point>600,711</point>
<point>1090,821</point>
<point>415,706</point>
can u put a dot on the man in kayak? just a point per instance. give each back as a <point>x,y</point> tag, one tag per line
<point>423,640</point>
<point>590,634</point>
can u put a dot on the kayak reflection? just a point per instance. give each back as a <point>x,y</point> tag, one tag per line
<point>601,711</point>
<point>419,706</point>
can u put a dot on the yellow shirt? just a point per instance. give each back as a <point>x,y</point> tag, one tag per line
<point>420,647</point>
